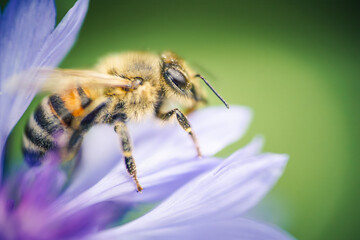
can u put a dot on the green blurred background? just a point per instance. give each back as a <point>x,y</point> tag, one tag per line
<point>296,64</point>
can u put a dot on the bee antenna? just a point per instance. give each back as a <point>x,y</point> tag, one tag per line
<point>212,89</point>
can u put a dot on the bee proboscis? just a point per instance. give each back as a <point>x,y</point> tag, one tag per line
<point>121,87</point>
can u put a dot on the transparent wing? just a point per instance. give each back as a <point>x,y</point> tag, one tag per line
<point>64,79</point>
<point>58,80</point>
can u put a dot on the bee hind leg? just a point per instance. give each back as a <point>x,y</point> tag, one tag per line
<point>69,155</point>
<point>184,123</point>
<point>121,129</point>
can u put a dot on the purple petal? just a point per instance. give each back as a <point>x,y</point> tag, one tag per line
<point>86,221</point>
<point>222,194</point>
<point>240,228</point>
<point>159,145</point>
<point>27,210</point>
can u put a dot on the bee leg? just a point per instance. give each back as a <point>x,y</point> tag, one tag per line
<point>69,159</point>
<point>73,145</point>
<point>184,123</point>
<point>121,129</point>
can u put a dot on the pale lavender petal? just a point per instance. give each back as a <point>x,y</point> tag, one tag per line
<point>251,149</point>
<point>118,185</point>
<point>222,194</point>
<point>59,43</point>
<point>240,228</point>
<point>213,133</point>
<point>158,184</point>
<point>50,52</point>
<point>53,50</point>
<point>158,146</point>
<point>29,41</point>
<point>24,27</point>
<point>100,153</point>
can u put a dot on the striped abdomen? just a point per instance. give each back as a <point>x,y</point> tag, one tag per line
<point>53,119</point>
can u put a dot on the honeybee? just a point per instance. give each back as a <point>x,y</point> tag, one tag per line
<point>122,87</point>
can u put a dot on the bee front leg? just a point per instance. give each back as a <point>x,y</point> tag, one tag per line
<point>121,129</point>
<point>184,123</point>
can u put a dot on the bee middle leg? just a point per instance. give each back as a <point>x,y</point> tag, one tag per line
<point>74,145</point>
<point>184,123</point>
<point>68,154</point>
<point>121,129</point>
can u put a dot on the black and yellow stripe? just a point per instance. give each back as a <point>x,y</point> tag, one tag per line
<point>38,136</point>
<point>74,114</point>
<point>61,111</point>
<point>32,153</point>
<point>94,117</point>
<point>84,98</point>
<point>46,120</point>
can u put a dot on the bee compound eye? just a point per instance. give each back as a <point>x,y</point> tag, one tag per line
<point>176,77</point>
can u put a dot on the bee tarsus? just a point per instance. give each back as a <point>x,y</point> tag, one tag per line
<point>121,129</point>
<point>184,123</point>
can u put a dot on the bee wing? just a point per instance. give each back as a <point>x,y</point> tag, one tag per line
<point>58,80</point>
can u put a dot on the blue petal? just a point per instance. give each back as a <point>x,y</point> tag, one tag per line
<point>220,195</point>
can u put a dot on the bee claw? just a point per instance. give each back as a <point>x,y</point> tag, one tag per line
<point>199,155</point>
<point>139,189</point>
<point>138,186</point>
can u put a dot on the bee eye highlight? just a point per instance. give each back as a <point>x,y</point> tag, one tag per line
<point>176,77</point>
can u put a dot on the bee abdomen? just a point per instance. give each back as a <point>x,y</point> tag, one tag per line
<point>36,143</point>
<point>58,107</point>
<point>46,120</point>
<point>53,117</point>
<point>38,138</point>
<point>33,157</point>
<point>84,97</point>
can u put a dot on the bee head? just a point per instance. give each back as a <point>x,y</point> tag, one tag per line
<point>182,80</point>
<point>174,73</point>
